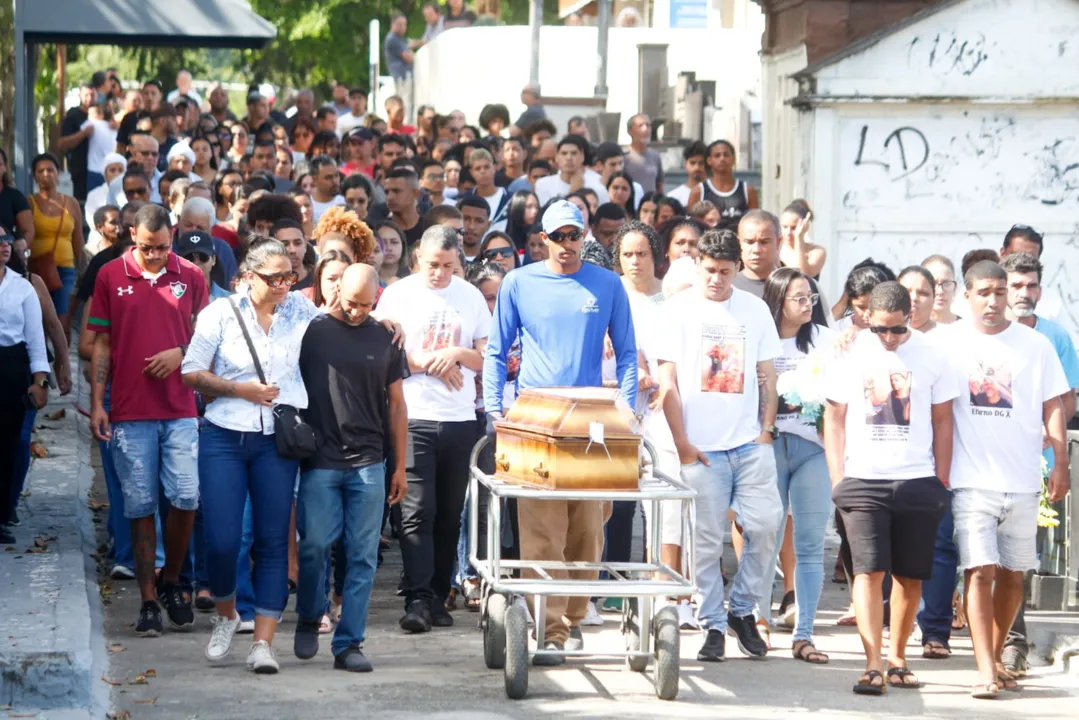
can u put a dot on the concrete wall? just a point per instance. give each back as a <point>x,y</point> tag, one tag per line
<point>466,68</point>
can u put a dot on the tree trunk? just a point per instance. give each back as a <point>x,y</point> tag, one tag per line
<point>7,77</point>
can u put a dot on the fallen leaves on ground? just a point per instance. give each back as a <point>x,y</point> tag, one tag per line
<point>139,680</point>
<point>96,505</point>
<point>117,648</point>
<point>118,715</point>
<point>41,544</point>
<point>109,680</point>
<point>150,701</point>
<point>150,673</point>
<point>38,450</point>
<point>58,415</point>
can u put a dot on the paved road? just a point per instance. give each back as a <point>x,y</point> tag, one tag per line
<point>441,675</point>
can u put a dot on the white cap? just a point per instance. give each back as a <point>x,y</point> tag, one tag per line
<point>115,158</point>
<point>181,148</point>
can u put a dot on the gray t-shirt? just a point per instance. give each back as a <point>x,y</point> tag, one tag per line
<point>393,47</point>
<point>645,168</point>
<point>749,285</point>
<point>531,115</point>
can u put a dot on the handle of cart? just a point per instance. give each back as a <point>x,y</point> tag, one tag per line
<point>505,620</point>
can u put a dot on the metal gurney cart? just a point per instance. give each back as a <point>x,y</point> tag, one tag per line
<point>505,622</point>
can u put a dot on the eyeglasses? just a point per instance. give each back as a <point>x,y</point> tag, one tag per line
<point>224,135</point>
<point>432,177</point>
<point>129,192</point>
<point>881,330</point>
<point>946,285</point>
<point>569,236</point>
<point>492,253</point>
<point>198,257</point>
<point>286,279</point>
<point>153,249</point>
<point>804,300</point>
<point>7,239</point>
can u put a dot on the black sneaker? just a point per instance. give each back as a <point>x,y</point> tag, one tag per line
<point>305,641</point>
<point>440,616</point>
<point>714,648</point>
<point>181,617</point>
<point>204,604</point>
<point>352,660</point>
<point>6,536</point>
<point>749,638</point>
<point>14,521</point>
<point>418,617</point>
<point>149,624</point>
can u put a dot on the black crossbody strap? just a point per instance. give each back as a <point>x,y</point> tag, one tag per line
<point>247,337</point>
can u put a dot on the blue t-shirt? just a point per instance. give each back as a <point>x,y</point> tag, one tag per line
<point>561,320</point>
<point>1062,343</point>
<point>393,47</point>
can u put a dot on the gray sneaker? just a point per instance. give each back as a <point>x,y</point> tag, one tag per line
<point>576,639</point>
<point>305,641</point>
<point>353,660</point>
<point>1015,661</point>
<point>550,660</point>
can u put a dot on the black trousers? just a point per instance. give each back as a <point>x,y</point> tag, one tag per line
<point>619,546</point>
<point>15,381</point>
<point>437,469</point>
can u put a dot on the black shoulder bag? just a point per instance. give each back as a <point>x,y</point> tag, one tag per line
<point>295,438</point>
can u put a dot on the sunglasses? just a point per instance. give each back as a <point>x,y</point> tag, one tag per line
<point>569,236</point>
<point>152,249</point>
<point>7,239</point>
<point>881,330</point>
<point>198,257</point>
<point>493,253</point>
<point>287,279</point>
<point>135,191</point>
<point>804,300</point>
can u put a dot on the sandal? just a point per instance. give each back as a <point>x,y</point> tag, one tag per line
<point>470,588</point>
<point>904,674</point>
<point>936,650</point>
<point>866,684</point>
<point>805,651</point>
<point>325,625</point>
<point>847,619</point>
<point>1008,683</point>
<point>988,691</point>
<point>959,618</point>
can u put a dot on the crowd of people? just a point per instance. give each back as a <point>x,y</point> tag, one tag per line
<point>295,328</point>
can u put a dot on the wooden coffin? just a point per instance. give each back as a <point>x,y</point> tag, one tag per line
<point>545,441</point>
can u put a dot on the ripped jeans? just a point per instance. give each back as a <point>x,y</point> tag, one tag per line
<point>148,452</point>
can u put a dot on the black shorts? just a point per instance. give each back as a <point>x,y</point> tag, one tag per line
<point>891,525</point>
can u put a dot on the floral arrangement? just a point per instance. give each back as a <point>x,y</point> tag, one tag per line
<point>801,390</point>
<point>1047,516</point>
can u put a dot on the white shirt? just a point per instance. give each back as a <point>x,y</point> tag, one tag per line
<point>1003,381</point>
<point>348,121</point>
<point>681,194</point>
<point>716,346</point>
<point>553,186</point>
<point>317,208</point>
<point>20,319</point>
<point>174,95</point>
<point>647,324</point>
<point>889,397</point>
<point>454,316</point>
<point>102,142</point>
<point>497,224</point>
<point>789,419</point>
<point>96,198</point>
<point>218,346</point>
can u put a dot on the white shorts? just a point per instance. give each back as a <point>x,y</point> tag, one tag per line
<point>670,510</point>
<point>995,528</point>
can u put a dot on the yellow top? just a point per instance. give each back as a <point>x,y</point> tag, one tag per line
<point>53,234</point>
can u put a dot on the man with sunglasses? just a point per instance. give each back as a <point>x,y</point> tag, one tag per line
<point>197,247</point>
<point>144,156</point>
<point>561,309</point>
<point>143,311</point>
<point>888,441</point>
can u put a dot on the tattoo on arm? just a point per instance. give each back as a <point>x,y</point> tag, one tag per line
<point>762,393</point>
<point>209,384</point>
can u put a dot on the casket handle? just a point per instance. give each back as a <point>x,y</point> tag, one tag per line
<point>501,463</point>
<point>541,471</point>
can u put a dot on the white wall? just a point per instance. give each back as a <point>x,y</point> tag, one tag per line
<point>467,68</point>
<point>782,142</point>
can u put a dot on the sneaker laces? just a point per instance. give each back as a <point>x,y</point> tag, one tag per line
<point>223,630</point>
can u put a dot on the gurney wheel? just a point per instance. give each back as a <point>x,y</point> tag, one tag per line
<point>494,631</point>
<point>516,656</point>
<point>631,631</point>
<point>667,653</point>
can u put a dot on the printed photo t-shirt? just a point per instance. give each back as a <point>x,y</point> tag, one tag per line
<point>1004,380</point>
<point>716,346</point>
<point>454,316</point>
<point>789,418</point>
<point>889,397</point>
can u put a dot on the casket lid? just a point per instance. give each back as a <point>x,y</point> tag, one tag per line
<point>568,412</point>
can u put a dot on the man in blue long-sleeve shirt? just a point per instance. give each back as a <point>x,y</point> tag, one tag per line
<point>561,309</point>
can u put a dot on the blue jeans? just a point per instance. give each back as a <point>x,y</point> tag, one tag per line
<point>61,297</point>
<point>22,457</point>
<point>746,477</point>
<point>332,503</point>
<point>805,487</point>
<point>935,618</point>
<point>232,466</point>
<point>153,454</point>
<point>245,591</point>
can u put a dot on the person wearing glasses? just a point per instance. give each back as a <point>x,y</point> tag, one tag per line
<point>144,155</point>
<point>498,248</point>
<point>888,440</point>
<point>143,313</point>
<point>197,247</point>
<point>801,469</point>
<point>944,285</point>
<point>562,342</point>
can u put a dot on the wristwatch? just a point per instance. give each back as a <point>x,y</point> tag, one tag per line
<point>771,430</point>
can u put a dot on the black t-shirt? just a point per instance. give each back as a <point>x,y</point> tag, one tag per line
<point>308,281</point>
<point>346,370</point>
<point>129,125</point>
<point>12,202</point>
<point>86,288</point>
<point>413,235</point>
<point>78,156</point>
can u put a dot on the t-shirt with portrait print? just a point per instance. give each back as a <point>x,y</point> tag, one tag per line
<point>789,418</point>
<point>889,398</point>
<point>1004,381</point>
<point>716,346</point>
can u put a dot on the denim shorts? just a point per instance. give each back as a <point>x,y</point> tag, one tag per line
<point>995,528</point>
<point>146,452</point>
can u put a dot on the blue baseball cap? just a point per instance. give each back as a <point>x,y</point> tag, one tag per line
<point>560,214</point>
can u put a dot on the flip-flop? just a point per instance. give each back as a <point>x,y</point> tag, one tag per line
<point>865,684</point>
<point>1008,683</point>
<point>903,673</point>
<point>847,619</point>
<point>988,691</point>
<point>936,650</point>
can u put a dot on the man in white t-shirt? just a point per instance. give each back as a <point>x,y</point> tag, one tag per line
<point>446,322</point>
<point>888,442</point>
<point>357,111</point>
<point>327,186</point>
<point>1011,383</point>
<point>718,339</point>
<point>482,166</point>
<point>572,174</point>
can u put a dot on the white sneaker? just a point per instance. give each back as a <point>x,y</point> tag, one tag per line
<point>687,619</point>
<point>789,617</point>
<point>592,617</point>
<point>246,627</point>
<point>221,637</point>
<point>121,572</point>
<point>261,659</point>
